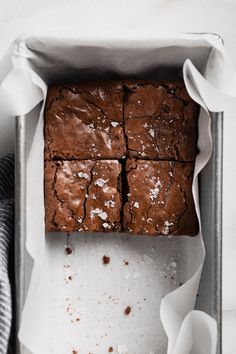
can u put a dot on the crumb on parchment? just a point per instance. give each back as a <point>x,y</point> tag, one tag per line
<point>106,259</point>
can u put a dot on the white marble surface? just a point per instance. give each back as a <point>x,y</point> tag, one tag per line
<point>218,16</point>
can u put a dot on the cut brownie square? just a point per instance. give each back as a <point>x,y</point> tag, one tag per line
<point>85,121</point>
<point>160,121</point>
<point>159,198</point>
<point>83,195</point>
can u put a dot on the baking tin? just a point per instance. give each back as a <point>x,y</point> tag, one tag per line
<point>210,291</point>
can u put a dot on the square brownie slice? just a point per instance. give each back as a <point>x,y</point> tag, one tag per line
<point>85,121</point>
<point>83,195</point>
<point>159,198</point>
<point>160,121</point>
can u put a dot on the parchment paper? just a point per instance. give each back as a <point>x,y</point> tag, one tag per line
<point>68,305</point>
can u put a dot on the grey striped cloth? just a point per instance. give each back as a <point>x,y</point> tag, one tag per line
<point>6,247</point>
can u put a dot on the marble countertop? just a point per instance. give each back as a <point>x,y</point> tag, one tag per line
<point>218,16</point>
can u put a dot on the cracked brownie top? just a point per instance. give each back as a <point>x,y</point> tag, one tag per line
<point>84,121</point>
<point>159,198</point>
<point>160,121</point>
<point>102,120</point>
<point>82,195</point>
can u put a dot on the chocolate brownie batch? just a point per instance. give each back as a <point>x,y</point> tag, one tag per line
<point>119,156</point>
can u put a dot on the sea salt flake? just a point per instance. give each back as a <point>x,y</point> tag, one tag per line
<point>91,125</point>
<point>114,124</point>
<point>167,223</point>
<point>99,212</point>
<point>100,182</point>
<point>96,211</point>
<point>105,225</point>
<point>167,227</point>
<point>155,191</point>
<point>94,196</point>
<point>145,125</point>
<point>151,132</point>
<point>143,153</point>
<point>109,203</point>
<point>170,174</point>
<point>173,264</point>
<point>101,93</point>
<point>83,175</point>
<point>136,205</point>
<point>103,215</point>
<point>80,220</point>
<point>106,189</point>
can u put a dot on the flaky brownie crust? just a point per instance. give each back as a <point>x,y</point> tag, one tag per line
<point>84,121</point>
<point>82,195</point>
<point>160,121</point>
<point>159,198</point>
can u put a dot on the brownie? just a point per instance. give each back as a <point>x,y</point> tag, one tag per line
<point>160,121</point>
<point>83,195</point>
<point>159,198</point>
<point>85,121</point>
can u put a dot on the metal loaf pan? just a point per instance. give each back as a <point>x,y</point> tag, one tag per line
<point>210,292</point>
<point>210,183</point>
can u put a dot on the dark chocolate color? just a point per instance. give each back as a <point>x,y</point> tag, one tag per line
<point>160,198</point>
<point>89,126</point>
<point>84,121</point>
<point>160,121</point>
<point>82,195</point>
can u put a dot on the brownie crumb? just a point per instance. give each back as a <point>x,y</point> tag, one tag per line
<point>110,350</point>
<point>127,310</point>
<point>126,263</point>
<point>68,250</point>
<point>77,319</point>
<point>106,259</point>
<point>70,277</point>
<point>74,352</point>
